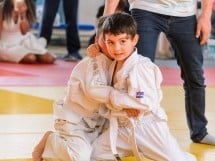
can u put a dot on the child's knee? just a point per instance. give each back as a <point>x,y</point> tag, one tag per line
<point>29,59</point>
<point>47,58</point>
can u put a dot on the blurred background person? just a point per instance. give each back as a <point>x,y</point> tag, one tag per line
<point>17,43</point>
<point>70,8</point>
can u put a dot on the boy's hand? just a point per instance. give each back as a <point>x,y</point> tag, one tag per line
<point>132,112</point>
<point>93,50</point>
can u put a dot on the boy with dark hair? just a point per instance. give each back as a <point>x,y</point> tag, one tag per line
<point>137,121</point>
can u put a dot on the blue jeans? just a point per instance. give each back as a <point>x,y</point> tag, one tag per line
<point>70,8</point>
<point>180,32</point>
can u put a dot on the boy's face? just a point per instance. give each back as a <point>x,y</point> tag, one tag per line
<point>102,45</point>
<point>121,46</point>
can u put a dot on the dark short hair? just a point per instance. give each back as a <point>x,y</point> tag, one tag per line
<point>120,23</point>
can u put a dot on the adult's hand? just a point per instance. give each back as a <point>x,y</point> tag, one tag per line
<point>203,30</point>
<point>110,6</point>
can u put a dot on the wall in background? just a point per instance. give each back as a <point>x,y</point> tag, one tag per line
<point>87,10</point>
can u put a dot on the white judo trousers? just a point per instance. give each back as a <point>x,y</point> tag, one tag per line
<point>77,122</point>
<point>72,139</point>
<point>138,86</point>
<point>153,140</point>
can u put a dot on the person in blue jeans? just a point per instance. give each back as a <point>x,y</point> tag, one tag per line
<point>70,8</point>
<point>186,33</point>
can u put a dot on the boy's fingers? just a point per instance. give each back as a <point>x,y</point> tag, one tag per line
<point>132,112</point>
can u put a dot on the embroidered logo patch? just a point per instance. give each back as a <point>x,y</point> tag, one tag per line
<point>139,94</point>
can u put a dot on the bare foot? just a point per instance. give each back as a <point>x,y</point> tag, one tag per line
<point>37,154</point>
<point>39,148</point>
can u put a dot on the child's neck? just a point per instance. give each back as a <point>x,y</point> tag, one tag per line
<point>118,66</point>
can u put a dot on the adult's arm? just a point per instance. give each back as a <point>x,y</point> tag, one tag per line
<point>1,17</point>
<point>110,6</point>
<point>204,21</point>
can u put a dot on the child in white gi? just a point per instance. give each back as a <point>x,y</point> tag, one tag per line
<point>77,122</point>
<point>135,85</point>
<point>17,43</point>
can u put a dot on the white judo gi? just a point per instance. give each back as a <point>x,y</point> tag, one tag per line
<point>77,122</point>
<point>138,86</point>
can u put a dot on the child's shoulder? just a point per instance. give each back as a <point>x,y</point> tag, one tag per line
<point>139,59</point>
<point>101,58</point>
<point>144,61</point>
<point>144,64</point>
<point>83,61</point>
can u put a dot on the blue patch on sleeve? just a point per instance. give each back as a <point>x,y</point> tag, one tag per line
<point>139,94</point>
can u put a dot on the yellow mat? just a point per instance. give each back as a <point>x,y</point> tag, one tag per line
<point>16,103</point>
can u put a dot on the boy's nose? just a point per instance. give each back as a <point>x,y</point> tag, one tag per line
<point>117,47</point>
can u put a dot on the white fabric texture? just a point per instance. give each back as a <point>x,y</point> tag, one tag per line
<point>180,8</point>
<point>153,140</point>
<point>118,119</point>
<point>14,46</point>
<point>138,86</point>
<point>77,95</point>
<point>77,122</point>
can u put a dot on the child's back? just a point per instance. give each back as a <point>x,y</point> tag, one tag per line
<point>77,122</point>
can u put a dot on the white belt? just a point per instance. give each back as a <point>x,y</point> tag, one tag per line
<point>114,132</point>
<point>65,127</point>
<point>113,117</point>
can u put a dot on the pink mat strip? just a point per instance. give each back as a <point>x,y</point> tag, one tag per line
<point>58,74</point>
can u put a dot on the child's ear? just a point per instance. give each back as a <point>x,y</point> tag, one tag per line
<point>135,39</point>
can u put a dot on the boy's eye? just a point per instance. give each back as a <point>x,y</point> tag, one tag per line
<point>122,42</point>
<point>109,43</point>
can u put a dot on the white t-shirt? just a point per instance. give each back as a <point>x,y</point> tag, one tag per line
<point>179,8</point>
